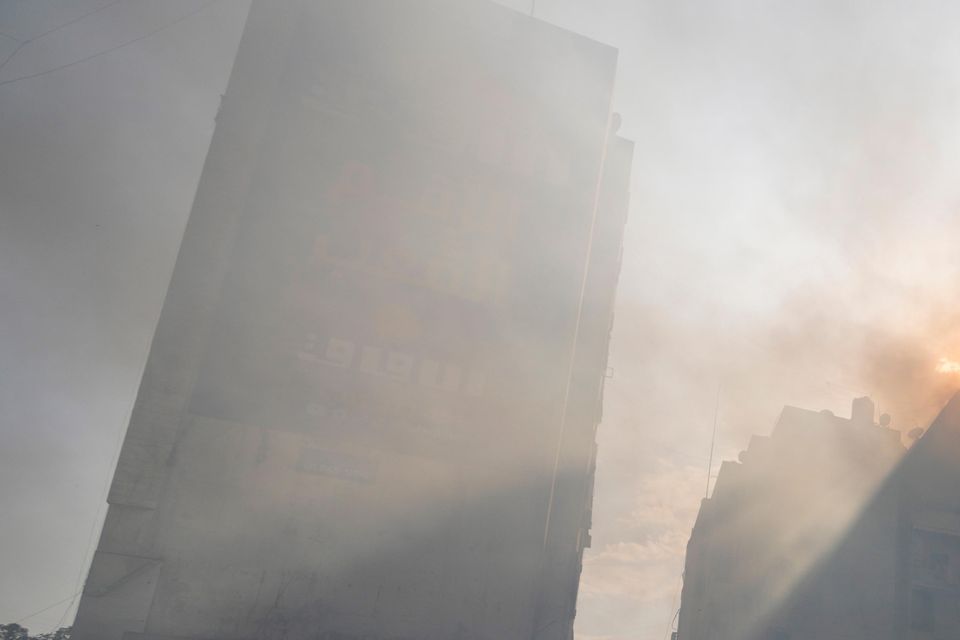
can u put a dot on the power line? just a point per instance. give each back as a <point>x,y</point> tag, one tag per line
<point>16,50</point>
<point>45,609</point>
<point>75,20</point>
<point>673,603</point>
<point>73,600</point>
<point>24,43</point>
<point>73,597</point>
<point>90,546</point>
<point>713,440</point>
<point>202,8</point>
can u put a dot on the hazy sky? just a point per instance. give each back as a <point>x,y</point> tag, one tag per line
<point>793,239</point>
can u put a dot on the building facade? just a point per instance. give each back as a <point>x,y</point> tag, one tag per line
<point>829,528</point>
<point>370,405</point>
<point>568,530</point>
<point>930,530</point>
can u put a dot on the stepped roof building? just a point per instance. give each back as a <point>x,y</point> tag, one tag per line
<point>830,528</point>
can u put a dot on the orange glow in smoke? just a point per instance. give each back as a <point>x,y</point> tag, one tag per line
<point>947,365</point>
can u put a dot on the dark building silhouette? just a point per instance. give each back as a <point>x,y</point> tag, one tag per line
<point>929,589</point>
<point>370,405</point>
<point>829,529</point>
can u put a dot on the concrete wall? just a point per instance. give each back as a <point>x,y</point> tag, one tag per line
<point>800,540</point>
<point>349,420</point>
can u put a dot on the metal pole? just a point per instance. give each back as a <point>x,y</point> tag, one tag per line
<point>713,441</point>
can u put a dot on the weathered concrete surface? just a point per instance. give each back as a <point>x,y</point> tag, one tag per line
<point>377,372</point>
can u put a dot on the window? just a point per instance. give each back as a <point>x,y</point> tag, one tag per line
<point>921,610</point>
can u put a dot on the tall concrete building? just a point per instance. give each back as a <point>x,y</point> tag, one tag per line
<point>829,529</point>
<point>568,531</point>
<point>370,405</point>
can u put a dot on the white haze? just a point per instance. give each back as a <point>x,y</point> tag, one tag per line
<point>792,240</point>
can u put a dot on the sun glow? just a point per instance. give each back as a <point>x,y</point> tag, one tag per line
<point>947,365</point>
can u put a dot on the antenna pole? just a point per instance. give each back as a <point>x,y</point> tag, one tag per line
<point>713,441</point>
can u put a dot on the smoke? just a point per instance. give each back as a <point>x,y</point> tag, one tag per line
<point>792,241</point>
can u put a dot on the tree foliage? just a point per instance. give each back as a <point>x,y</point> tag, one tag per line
<point>14,631</point>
